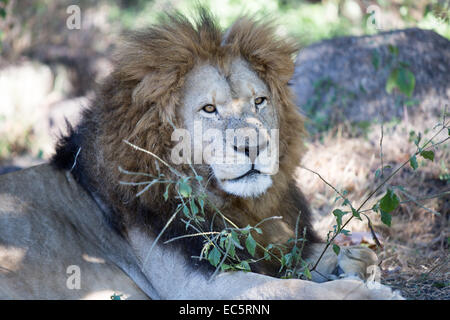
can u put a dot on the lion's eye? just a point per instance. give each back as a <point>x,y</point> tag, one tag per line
<point>260,100</point>
<point>209,108</point>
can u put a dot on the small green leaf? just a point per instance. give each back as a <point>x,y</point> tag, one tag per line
<point>186,211</point>
<point>200,219</point>
<point>230,246</point>
<point>389,202</point>
<point>235,238</point>
<point>116,296</point>
<point>250,244</point>
<point>406,81</point>
<point>336,249</point>
<point>194,208</point>
<point>356,214</point>
<point>386,218</point>
<point>225,267</point>
<point>402,79</point>
<point>223,238</point>
<point>246,230</point>
<point>338,214</point>
<point>166,193</point>
<point>391,82</point>
<point>258,230</point>
<point>413,162</point>
<point>376,207</point>
<point>201,202</point>
<point>428,155</point>
<point>286,260</point>
<point>417,139</point>
<point>243,266</point>
<point>185,189</point>
<point>377,173</point>
<point>375,59</point>
<point>214,257</point>
<point>307,273</point>
<point>393,49</point>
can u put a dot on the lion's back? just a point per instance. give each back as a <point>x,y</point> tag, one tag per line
<point>46,223</point>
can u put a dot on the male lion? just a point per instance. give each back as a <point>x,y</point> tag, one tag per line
<point>69,229</point>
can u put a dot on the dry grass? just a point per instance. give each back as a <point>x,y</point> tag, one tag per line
<point>416,246</point>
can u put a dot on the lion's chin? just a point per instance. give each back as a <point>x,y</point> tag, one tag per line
<point>246,187</point>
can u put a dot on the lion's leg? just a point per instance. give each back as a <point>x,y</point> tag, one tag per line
<point>352,261</point>
<point>172,278</point>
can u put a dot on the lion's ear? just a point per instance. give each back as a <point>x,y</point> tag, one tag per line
<point>258,42</point>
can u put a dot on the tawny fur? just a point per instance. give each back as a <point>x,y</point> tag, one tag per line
<point>140,102</point>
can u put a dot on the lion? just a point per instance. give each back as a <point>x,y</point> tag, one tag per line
<point>70,230</point>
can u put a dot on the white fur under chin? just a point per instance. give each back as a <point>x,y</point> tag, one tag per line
<point>246,187</point>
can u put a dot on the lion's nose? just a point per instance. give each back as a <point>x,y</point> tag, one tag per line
<point>250,151</point>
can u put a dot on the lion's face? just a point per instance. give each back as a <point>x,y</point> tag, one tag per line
<point>233,127</point>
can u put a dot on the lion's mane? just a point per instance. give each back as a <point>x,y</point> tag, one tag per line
<point>139,102</point>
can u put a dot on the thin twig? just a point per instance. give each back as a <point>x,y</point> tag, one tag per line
<point>372,231</point>
<point>191,235</point>
<point>371,194</point>
<point>129,183</point>
<point>418,199</point>
<point>154,155</point>
<point>325,181</point>
<point>135,173</point>
<point>269,218</point>
<point>75,160</point>
<point>225,256</point>
<point>160,234</point>
<point>411,198</point>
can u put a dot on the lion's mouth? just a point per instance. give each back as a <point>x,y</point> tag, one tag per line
<point>249,173</point>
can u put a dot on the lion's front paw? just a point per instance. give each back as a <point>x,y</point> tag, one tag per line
<point>350,289</point>
<point>356,261</point>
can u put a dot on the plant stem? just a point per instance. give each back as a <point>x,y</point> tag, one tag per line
<point>444,126</point>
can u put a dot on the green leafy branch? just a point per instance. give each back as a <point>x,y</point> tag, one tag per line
<point>292,262</point>
<point>222,249</point>
<point>389,202</point>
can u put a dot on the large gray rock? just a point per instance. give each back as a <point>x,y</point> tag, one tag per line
<point>345,78</point>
